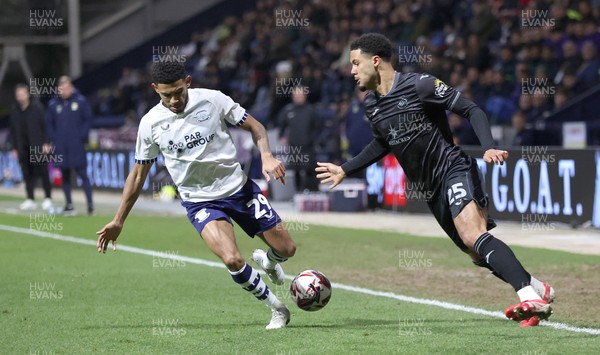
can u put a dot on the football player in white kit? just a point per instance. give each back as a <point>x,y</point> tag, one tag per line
<point>188,127</point>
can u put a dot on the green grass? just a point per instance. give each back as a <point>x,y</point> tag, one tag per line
<point>122,302</point>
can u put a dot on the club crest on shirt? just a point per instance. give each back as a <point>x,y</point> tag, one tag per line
<point>402,102</point>
<point>74,106</point>
<point>201,115</point>
<point>440,88</point>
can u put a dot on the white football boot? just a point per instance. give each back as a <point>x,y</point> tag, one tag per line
<point>280,317</point>
<point>545,291</point>
<point>47,204</point>
<point>28,205</point>
<point>274,270</point>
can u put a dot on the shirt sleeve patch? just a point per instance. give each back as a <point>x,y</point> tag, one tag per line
<point>145,161</point>
<point>440,88</point>
<point>242,120</point>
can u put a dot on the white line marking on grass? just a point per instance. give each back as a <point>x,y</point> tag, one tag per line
<point>365,291</point>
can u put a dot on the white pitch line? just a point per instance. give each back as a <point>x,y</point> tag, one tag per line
<point>365,291</point>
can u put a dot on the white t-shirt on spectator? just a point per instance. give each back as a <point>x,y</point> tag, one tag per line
<point>196,145</point>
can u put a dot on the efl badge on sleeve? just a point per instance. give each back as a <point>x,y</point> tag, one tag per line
<point>440,88</point>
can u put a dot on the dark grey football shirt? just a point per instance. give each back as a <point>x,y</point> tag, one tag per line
<point>411,122</point>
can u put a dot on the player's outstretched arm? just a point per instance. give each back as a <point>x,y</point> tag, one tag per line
<point>435,92</point>
<point>270,165</point>
<point>131,192</point>
<point>330,173</point>
<point>369,155</point>
<point>481,126</point>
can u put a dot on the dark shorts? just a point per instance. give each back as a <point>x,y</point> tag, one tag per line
<point>248,207</point>
<point>463,184</point>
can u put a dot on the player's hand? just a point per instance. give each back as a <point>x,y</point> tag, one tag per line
<point>271,165</point>
<point>283,141</point>
<point>110,232</point>
<point>330,173</point>
<point>46,148</point>
<point>495,156</point>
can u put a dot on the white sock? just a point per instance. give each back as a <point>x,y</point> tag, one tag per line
<point>272,301</point>
<point>537,284</point>
<point>528,294</point>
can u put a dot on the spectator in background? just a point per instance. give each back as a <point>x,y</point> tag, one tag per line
<point>462,131</point>
<point>569,82</point>
<point>298,129</point>
<point>591,32</point>
<point>541,105</point>
<point>522,74</point>
<point>478,54</point>
<point>523,135</point>
<point>30,146</point>
<point>358,128</point>
<point>549,60</point>
<point>507,63</point>
<point>533,55</point>
<point>69,119</point>
<point>329,142</point>
<point>526,106</point>
<point>587,73</point>
<point>571,61</point>
<point>500,87</point>
<point>560,98</point>
<point>282,80</point>
<point>483,23</point>
<point>485,86</point>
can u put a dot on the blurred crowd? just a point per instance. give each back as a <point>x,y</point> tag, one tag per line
<point>517,59</point>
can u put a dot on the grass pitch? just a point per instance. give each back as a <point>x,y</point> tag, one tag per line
<point>63,297</point>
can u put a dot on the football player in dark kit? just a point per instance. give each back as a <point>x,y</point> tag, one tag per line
<point>407,114</point>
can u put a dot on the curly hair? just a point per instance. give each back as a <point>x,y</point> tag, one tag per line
<point>374,44</point>
<point>167,72</point>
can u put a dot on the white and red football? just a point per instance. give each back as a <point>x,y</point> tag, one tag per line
<point>311,290</point>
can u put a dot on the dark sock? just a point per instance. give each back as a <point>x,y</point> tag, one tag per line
<point>85,185</point>
<point>66,185</point>
<point>502,260</point>
<point>483,263</point>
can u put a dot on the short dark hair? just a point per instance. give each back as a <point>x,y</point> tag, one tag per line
<point>21,86</point>
<point>167,72</point>
<point>375,44</point>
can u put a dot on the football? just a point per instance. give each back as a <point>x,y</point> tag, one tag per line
<point>311,290</point>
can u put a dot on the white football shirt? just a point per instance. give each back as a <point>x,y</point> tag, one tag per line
<point>196,145</point>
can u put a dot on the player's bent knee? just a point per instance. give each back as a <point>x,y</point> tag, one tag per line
<point>469,241</point>
<point>233,262</point>
<point>290,249</point>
